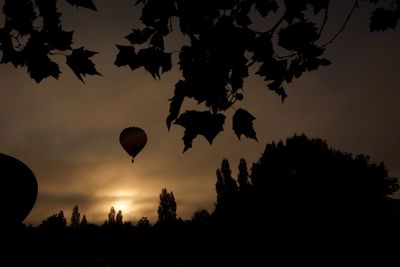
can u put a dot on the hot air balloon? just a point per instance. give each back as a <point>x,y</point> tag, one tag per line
<point>18,190</point>
<point>133,140</point>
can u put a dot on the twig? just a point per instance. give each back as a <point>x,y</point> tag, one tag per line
<point>344,24</point>
<point>324,22</point>
<point>248,65</point>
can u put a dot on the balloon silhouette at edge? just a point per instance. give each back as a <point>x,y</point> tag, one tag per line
<point>19,191</point>
<point>133,140</point>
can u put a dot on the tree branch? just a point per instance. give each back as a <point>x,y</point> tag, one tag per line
<point>324,22</point>
<point>344,24</point>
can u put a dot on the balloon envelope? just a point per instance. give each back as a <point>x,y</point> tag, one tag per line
<point>133,140</point>
<point>18,190</point>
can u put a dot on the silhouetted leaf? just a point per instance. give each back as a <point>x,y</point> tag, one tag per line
<point>9,55</point>
<point>157,14</point>
<point>46,7</point>
<point>20,14</point>
<point>264,7</point>
<point>319,5</point>
<point>243,124</point>
<point>83,3</point>
<point>176,102</point>
<point>80,63</point>
<point>37,60</point>
<point>127,56</point>
<point>383,19</point>
<point>48,11</point>
<point>139,36</point>
<point>262,47</point>
<point>239,71</point>
<point>157,40</point>
<point>153,60</point>
<point>200,123</point>
<point>273,69</point>
<point>43,67</point>
<point>295,9</point>
<point>277,87</point>
<point>298,36</point>
<point>59,39</point>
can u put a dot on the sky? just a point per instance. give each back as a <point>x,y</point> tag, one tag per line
<point>67,131</point>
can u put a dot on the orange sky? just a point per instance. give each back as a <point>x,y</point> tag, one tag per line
<point>67,132</point>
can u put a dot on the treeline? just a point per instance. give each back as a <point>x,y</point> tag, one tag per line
<point>302,202</point>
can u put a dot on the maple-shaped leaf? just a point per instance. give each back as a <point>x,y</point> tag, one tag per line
<point>42,67</point>
<point>127,56</point>
<point>36,54</point>
<point>203,123</point>
<point>153,60</point>
<point>139,36</point>
<point>383,19</point>
<point>176,102</point>
<point>80,63</point>
<point>264,7</point>
<point>243,124</point>
<point>83,3</point>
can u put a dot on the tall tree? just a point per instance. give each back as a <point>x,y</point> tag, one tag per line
<point>75,218</point>
<point>226,186</point>
<point>111,216</point>
<point>119,217</point>
<point>167,208</point>
<point>243,176</point>
<point>84,221</point>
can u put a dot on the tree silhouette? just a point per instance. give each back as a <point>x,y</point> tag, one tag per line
<point>119,218</point>
<point>54,222</point>
<point>306,203</point>
<point>243,176</point>
<point>84,221</point>
<point>143,223</point>
<point>167,208</point>
<point>308,199</point>
<point>225,38</point>
<point>200,216</point>
<point>226,188</point>
<point>75,217</point>
<point>111,216</point>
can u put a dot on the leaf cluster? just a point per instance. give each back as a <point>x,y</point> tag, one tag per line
<point>32,35</point>
<point>227,41</point>
<point>223,46</point>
